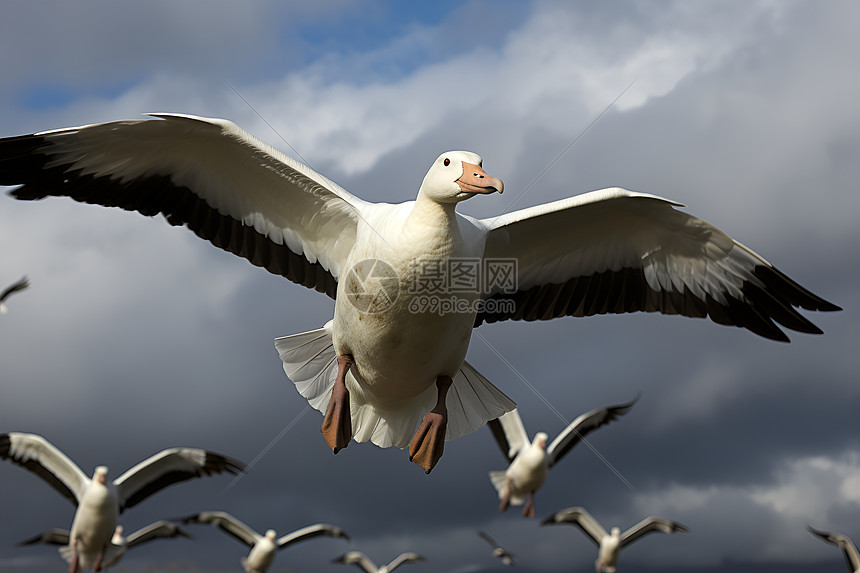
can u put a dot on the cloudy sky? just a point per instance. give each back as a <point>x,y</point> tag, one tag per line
<point>137,336</point>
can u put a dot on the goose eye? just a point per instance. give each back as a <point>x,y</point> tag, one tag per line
<point>447,162</point>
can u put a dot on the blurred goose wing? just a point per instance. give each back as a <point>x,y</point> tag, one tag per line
<point>168,467</point>
<point>38,455</point>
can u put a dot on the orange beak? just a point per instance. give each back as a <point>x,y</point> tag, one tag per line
<point>475,180</point>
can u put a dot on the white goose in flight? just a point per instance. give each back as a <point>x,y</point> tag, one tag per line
<point>99,501</point>
<point>362,561</point>
<point>263,547</point>
<point>387,358</point>
<point>849,550</point>
<point>119,543</point>
<point>498,550</point>
<point>530,462</point>
<point>610,543</point>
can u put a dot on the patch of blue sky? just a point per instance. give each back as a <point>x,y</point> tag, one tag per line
<point>43,96</point>
<point>403,36</point>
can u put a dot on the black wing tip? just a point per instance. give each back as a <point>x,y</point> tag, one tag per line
<point>56,536</point>
<point>558,517</point>
<point>825,535</point>
<point>621,409</point>
<point>5,446</point>
<point>793,292</point>
<point>217,463</point>
<point>28,193</point>
<point>183,533</point>
<point>774,333</point>
<point>680,527</point>
<point>185,520</point>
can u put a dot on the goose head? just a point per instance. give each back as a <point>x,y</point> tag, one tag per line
<point>100,475</point>
<point>271,534</point>
<point>456,176</point>
<point>540,440</point>
<point>117,538</point>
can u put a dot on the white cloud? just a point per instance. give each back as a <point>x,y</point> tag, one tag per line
<point>346,121</point>
<point>762,521</point>
<point>809,487</point>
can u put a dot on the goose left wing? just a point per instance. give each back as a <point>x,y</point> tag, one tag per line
<point>510,434</point>
<point>617,251</point>
<point>157,530</point>
<point>583,425</point>
<point>404,558</point>
<point>226,523</point>
<point>41,457</point>
<point>309,532</point>
<point>358,559</point>
<point>168,467</point>
<point>223,183</point>
<point>14,287</point>
<point>51,537</point>
<point>650,525</point>
<point>499,551</point>
<point>849,550</point>
<point>486,537</point>
<point>579,517</point>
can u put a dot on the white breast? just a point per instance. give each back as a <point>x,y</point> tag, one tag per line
<point>382,318</point>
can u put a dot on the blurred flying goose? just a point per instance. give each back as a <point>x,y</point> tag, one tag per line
<point>15,287</point>
<point>361,560</point>
<point>530,461</point>
<point>849,550</point>
<point>99,501</point>
<point>119,544</point>
<point>610,544</point>
<point>263,547</point>
<point>498,550</point>
<point>387,357</point>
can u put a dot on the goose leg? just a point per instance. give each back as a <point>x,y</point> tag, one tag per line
<point>75,565</point>
<point>506,499</point>
<point>529,509</point>
<point>428,443</point>
<point>337,424</point>
<point>98,564</point>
